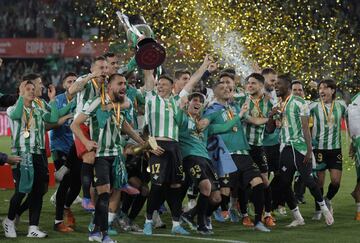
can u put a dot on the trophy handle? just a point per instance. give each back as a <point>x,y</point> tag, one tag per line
<point>125,21</point>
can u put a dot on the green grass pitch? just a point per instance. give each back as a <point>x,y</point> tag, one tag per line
<point>345,228</point>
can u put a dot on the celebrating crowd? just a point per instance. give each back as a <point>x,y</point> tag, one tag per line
<point>223,147</point>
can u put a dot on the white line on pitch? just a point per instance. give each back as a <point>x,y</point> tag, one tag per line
<point>191,237</point>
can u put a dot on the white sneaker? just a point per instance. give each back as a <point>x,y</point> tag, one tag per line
<point>158,223</point>
<point>34,232</point>
<point>296,222</point>
<point>53,199</point>
<point>59,174</point>
<point>329,205</point>
<point>9,228</point>
<point>190,205</point>
<point>282,211</point>
<point>317,216</point>
<point>329,219</point>
<point>78,200</point>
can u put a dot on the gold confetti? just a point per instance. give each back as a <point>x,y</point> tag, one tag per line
<point>309,39</point>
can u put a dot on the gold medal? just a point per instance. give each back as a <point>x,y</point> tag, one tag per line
<point>27,123</point>
<point>255,113</point>
<point>331,122</point>
<point>328,115</point>
<point>26,134</point>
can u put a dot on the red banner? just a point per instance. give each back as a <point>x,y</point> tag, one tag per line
<point>4,124</point>
<point>39,48</point>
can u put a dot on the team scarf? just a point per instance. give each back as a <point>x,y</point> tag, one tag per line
<point>217,150</point>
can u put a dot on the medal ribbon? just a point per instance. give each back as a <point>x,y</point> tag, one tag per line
<point>285,104</point>
<point>328,115</point>
<point>102,91</point>
<point>230,113</point>
<point>117,112</point>
<point>38,102</point>
<point>28,121</point>
<point>196,121</point>
<point>256,103</point>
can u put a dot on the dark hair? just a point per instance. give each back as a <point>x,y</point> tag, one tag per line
<point>286,78</point>
<point>330,83</point>
<point>99,58</point>
<point>113,76</point>
<point>30,77</point>
<point>256,76</point>
<point>268,71</point>
<point>229,70</point>
<point>216,83</point>
<point>109,54</point>
<point>164,76</point>
<point>296,82</point>
<point>180,72</point>
<point>197,94</point>
<point>226,74</point>
<point>69,74</point>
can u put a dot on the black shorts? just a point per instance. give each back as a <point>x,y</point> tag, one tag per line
<point>103,171</point>
<point>224,181</point>
<point>291,161</point>
<point>272,154</point>
<point>328,159</point>
<point>246,171</point>
<point>167,168</point>
<point>258,156</point>
<point>137,166</point>
<point>198,169</point>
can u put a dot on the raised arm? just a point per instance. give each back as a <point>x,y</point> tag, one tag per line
<point>198,74</point>
<point>15,112</point>
<point>149,80</point>
<point>53,116</point>
<point>81,82</point>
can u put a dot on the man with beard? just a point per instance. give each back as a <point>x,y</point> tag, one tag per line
<point>259,107</point>
<point>296,149</point>
<point>246,171</point>
<point>106,124</point>
<point>271,144</point>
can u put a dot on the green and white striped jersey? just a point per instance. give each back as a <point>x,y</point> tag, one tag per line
<point>327,134</point>
<point>160,115</point>
<point>103,128</point>
<point>257,108</point>
<point>291,127</point>
<point>18,117</point>
<point>85,95</point>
